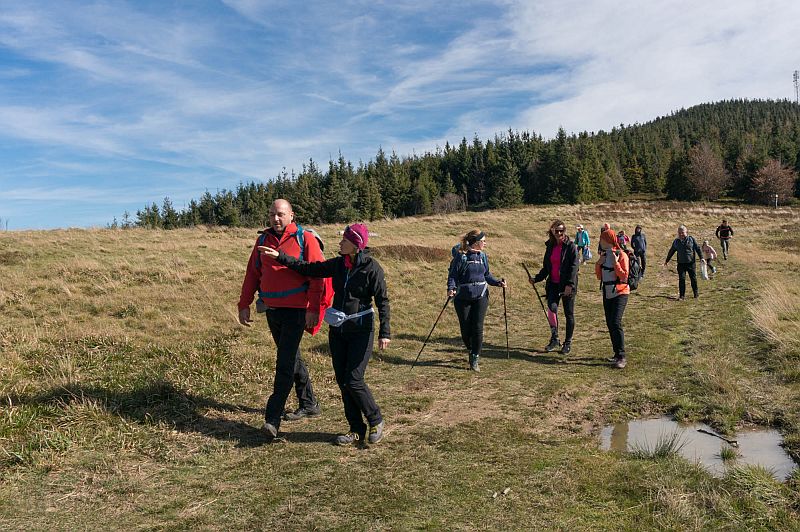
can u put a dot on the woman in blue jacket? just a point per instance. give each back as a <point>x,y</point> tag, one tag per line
<point>467,281</point>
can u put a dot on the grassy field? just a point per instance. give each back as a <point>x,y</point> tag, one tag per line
<point>131,398</point>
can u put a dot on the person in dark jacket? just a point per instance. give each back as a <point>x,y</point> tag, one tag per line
<point>724,232</point>
<point>358,279</point>
<point>560,268</point>
<point>467,281</point>
<point>686,247</point>
<point>639,245</point>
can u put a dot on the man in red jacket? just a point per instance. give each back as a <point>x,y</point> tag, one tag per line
<point>292,302</point>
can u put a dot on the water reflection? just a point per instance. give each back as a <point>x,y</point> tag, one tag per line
<point>756,447</point>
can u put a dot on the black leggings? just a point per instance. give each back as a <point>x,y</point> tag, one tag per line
<point>553,298</point>
<point>614,309</point>
<point>471,313</point>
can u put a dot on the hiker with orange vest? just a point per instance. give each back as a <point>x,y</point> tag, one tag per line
<point>292,303</point>
<point>611,269</point>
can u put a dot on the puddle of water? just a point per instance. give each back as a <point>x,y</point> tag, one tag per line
<point>756,446</point>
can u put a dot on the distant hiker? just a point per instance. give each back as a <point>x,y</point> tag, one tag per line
<point>686,247</point>
<point>358,279</point>
<point>710,254</point>
<point>582,242</point>
<point>724,233</point>
<point>292,303</point>
<point>623,239</point>
<point>611,269</point>
<point>639,245</point>
<point>560,268</point>
<point>468,280</point>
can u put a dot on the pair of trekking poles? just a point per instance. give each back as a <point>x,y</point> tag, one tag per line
<point>505,317</point>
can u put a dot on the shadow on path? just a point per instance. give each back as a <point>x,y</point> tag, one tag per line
<point>161,402</point>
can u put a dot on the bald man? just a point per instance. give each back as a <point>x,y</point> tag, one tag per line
<point>292,304</point>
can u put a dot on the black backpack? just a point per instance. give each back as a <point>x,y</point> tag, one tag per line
<point>634,271</point>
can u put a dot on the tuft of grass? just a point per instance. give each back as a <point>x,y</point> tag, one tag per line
<point>728,453</point>
<point>666,446</point>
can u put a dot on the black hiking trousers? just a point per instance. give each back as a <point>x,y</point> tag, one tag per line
<point>683,269</point>
<point>643,260</point>
<point>287,326</point>
<point>614,309</point>
<point>471,313</point>
<point>350,353</point>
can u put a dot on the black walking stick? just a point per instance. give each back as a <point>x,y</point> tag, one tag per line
<point>505,315</point>
<point>538,296</point>
<point>430,333</point>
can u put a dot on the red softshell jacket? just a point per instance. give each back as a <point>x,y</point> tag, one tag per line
<point>280,287</point>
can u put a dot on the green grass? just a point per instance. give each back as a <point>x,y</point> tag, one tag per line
<point>131,397</point>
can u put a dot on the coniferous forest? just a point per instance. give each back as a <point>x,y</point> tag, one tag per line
<point>746,149</point>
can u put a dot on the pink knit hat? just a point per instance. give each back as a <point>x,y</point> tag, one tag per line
<point>357,234</point>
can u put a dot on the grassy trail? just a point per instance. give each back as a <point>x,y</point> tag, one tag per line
<point>132,399</point>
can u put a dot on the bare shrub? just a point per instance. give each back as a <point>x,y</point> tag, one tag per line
<point>773,178</point>
<point>448,203</point>
<point>707,174</point>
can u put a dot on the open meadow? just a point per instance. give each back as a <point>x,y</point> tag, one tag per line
<point>131,398</point>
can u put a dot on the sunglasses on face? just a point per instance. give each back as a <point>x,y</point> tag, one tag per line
<point>558,231</point>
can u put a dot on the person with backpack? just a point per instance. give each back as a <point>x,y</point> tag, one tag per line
<point>724,233</point>
<point>468,279</point>
<point>639,245</point>
<point>358,279</point>
<point>560,268</point>
<point>623,239</point>
<point>710,254</point>
<point>582,242</point>
<point>292,304</point>
<point>686,247</point>
<point>612,269</point>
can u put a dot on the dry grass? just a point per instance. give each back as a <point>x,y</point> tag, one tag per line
<point>130,394</point>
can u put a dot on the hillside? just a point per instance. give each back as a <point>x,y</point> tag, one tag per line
<point>704,152</point>
<point>132,398</point>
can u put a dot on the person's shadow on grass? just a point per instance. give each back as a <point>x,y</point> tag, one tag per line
<point>161,402</point>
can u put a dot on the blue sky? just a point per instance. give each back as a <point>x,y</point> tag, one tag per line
<point>108,105</point>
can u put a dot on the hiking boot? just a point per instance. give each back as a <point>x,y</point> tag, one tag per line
<point>620,363</point>
<point>613,359</point>
<point>681,298</point>
<point>351,438</point>
<point>304,411</point>
<point>473,363</point>
<point>270,431</point>
<point>375,433</point>
<point>566,348</point>
<point>554,345</point>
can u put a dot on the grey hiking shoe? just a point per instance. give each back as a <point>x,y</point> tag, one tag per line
<point>620,363</point>
<point>473,363</point>
<point>554,345</point>
<point>304,411</point>
<point>351,438</point>
<point>270,431</point>
<point>375,433</point>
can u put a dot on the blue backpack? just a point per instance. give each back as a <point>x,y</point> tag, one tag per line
<point>456,252</point>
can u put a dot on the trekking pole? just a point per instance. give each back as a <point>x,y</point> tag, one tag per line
<point>538,296</point>
<point>430,333</point>
<point>505,316</point>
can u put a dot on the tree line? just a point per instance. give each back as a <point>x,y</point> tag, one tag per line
<point>748,149</point>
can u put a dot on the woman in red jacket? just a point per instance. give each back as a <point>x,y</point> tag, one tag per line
<point>612,269</point>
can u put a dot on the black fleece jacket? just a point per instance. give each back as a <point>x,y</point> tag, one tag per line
<point>353,289</point>
<point>569,265</point>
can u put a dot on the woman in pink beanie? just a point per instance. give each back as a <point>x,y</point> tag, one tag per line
<point>358,279</point>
